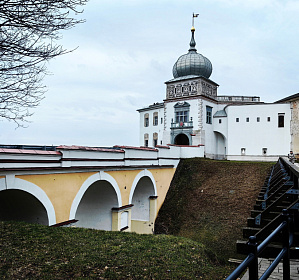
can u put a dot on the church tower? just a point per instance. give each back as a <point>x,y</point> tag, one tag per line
<point>189,95</point>
<point>191,74</point>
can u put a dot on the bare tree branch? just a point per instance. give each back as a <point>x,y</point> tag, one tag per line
<point>28,31</point>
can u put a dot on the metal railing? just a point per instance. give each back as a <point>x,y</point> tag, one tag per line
<point>188,124</point>
<point>238,98</point>
<point>292,170</point>
<point>251,261</point>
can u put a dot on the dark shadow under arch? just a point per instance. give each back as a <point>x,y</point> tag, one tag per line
<point>18,205</point>
<point>181,139</point>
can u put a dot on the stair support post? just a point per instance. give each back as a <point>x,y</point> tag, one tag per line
<point>253,267</point>
<point>286,244</point>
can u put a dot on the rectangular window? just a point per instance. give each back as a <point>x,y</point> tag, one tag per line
<point>243,150</point>
<point>280,120</point>
<point>258,119</point>
<point>209,114</point>
<point>181,116</point>
<point>146,143</point>
<point>161,120</point>
<point>219,120</point>
<point>237,120</point>
<point>247,119</point>
<point>268,119</point>
<point>264,151</point>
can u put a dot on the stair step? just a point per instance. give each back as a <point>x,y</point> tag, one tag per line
<point>254,213</point>
<point>279,208</point>
<point>251,222</point>
<point>272,215</point>
<point>270,252</point>
<point>258,207</point>
<point>250,231</point>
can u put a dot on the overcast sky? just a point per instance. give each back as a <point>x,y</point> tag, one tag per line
<point>126,51</point>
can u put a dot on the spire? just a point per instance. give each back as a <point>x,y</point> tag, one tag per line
<point>192,42</point>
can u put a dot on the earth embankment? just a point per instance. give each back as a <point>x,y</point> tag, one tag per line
<point>209,201</point>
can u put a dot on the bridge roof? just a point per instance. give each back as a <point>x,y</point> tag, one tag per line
<point>21,151</point>
<point>84,148</point>
<point>136,148</point>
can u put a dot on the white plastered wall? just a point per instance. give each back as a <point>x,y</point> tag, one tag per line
<point>254,136</point>
<point>151,129</point>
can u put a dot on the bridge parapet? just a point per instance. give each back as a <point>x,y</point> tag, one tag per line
<point>66,157</point>
<point>24,159</point>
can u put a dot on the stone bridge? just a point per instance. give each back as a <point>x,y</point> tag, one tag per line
<point>120,188</point>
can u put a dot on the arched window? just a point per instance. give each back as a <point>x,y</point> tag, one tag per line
<point>146,120</point>
<point>146,139</point>
<point>155,139</point>
<point>155,118</point>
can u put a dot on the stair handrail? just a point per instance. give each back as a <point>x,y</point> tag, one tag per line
<point>251,261</point>
<point>291,169</point>
<point>275,222</point>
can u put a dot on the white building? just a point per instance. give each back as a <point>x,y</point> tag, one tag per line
<point>231,127</point>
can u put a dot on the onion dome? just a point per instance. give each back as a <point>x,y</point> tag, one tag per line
<point>192,63</point>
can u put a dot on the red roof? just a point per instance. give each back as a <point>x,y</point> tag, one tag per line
<point>20,151</point>
<point>84,148</point>
<point>136,148</point>
<point>163,147</point>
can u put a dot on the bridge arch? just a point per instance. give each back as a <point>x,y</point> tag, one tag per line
<point>93,202</point>
<point>143,187</point>
<point>26,201</point>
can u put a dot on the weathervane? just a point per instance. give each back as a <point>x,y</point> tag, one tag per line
<point>194,15</point>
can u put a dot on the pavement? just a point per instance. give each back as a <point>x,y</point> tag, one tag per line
<point>278,272</point>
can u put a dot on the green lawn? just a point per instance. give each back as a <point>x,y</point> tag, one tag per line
<point>40,252</point>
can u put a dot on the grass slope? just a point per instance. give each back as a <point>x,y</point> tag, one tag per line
<point>209,202</point>
<point>29,251</point>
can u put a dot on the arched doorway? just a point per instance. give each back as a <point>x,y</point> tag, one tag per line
<point>220,146</point>
<point>141,199</point>
<point>18,205</point>
<point>94,209</point>
<point>181,139</point>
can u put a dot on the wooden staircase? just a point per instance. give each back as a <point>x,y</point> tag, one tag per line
<point>280,191</point>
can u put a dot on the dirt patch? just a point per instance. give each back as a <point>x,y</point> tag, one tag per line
<point>209,201</point>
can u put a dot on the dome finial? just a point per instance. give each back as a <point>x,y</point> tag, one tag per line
<point>192,42</point>
<point>194,15</point>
